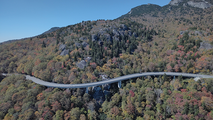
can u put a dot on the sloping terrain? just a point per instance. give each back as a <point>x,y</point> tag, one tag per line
<point>177,37</point>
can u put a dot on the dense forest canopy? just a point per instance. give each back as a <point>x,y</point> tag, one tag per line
<point>150,39</point>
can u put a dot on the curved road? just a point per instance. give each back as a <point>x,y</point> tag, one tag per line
<point>118,79</point>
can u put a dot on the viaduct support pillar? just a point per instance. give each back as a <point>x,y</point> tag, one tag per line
<point>86,90</point>
<point>119,84</point>
<point>174,78</point>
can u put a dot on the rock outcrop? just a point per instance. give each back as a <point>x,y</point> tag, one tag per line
<point>175,2</point>
<point>84,44</point>
<point>202,4</point>
<point>77,44</point>
<point>205,45</point>
<point>81,64</point>
<point>198,4</point>
<point>62,47</point>
<point>105,86</point>
<point>158,93</point>
<point>94,37</point>
<point>65,52</point>
<point>83,38</point>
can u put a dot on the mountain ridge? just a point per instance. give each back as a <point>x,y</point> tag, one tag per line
<point>156,39</point>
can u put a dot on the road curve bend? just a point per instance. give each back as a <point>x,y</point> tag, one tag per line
<point>113,80</point>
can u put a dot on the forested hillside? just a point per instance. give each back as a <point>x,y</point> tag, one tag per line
<point>149,38</point>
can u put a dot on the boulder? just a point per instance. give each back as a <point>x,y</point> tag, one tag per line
<point>202,4</point>
<point>158,93</point>
<point>77,44</point>
<point>62,47</point>
<point>121,33</point>
<point>94,37</point>
<point>105,86</point>
<point>198,33</point>
<point>115,32</point>
<point>100,43</point>
<point>134,34</point>
<point>129,33</point>
<point>84,44</point>
<point>101,32</point>
<point>205,45</point>
<point>81,64</point>
<point>115,38</point>
<point>124,27</point>
<point>107,37</point>
<point>88,59</point>
<point>83,38</point>
<point>182,32</point>
<point>64,52</point>
<point>175,2</point>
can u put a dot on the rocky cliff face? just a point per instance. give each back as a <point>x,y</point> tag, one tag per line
<point>175,2</point>
<point>205,45</point>
<point>202,5</point>
<point>198,4</point>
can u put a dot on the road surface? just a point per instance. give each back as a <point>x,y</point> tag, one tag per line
<point>114,80</point>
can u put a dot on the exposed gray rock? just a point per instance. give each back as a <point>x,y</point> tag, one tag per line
<point>134,34</point>
<point>168,109</point>
<point>198,33</point>
<point>158,93</point>
<point>115,38</point>
<point>202,5</point>
<point>81,64</point>
<point>106,86</point>
<point>121,33</point>
<point>205,45</point>
<point>64,52</point>
<point>83,23</point>
<point>175,2</point>
<point>129,33</point>
<point>62,47</point>
<point>101,32</point>
<point>77,44</point>
<point>115,32</point>
<point>84,44</point>
<point>100,43</point>
<point>94,37</point>
<point>107,37</point>
<point>124,27</point>
<point>182,32</point>
<point>88,59</point>
<point>83,38</point>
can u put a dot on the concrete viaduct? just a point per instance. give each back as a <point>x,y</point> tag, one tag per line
<point>113,80</point>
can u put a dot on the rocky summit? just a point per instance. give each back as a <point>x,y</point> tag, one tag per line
<point>198,4</point>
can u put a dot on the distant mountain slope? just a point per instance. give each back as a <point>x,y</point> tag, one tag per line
<point>172,38</point>
<point>51,30</point>
<point>181,6</point>
<point>142,10</point>
<point>47,32</point>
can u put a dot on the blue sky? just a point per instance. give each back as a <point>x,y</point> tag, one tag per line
<point>26,18</point>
